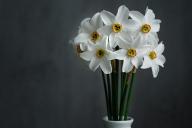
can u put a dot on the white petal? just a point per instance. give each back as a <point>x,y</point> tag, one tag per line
<point>147,63</point>
<point>107,17</point>
<point>136,42</point>
<point>122,14</point>
<point>107,44</point>
<point>87,27</point>
<point>106,66</point>
<point>121,43</point>
<point>112,40</point>
<point>136,61</point>
<point>137,16</point>
<point>155,27</point>
<point>156,21</point>
<point>85,20</point>
<point>102,43</point>
<point>121,54</point>
<point>83,46</point>
<point>82,23</point>
<point>160,60</point>
<point>112,55</point>
<point>151,38</point>
<point>149,15</point>
<point>88,55</point>
<point>155,70</point>
<point>96,21</point>
<point>91,46</point>
<point>143,50</point>
<point>156,38</point>
<point>106,30</point>
<point>131,25</point>
<point>94,64</point>
<point>160,48</point>
<point>126,38</point>
<point>127,66</point>
<point>82,37</point>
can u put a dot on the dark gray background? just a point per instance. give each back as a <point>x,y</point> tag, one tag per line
<point>43,84</point>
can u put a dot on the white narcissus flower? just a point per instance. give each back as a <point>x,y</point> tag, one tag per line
<point>99,56</point>
<point>146,26</point>
<point>131,53</point>
<point>115,25</point>
<point>136,38</point>
<point>154,58</point>
<point>88,31</point>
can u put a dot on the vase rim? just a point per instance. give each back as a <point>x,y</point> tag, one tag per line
<point>130,120</point>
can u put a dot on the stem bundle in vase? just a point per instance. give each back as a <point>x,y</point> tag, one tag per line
<point>120,45</point>
<point>117,92</point>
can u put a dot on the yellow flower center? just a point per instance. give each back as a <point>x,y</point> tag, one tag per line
<point>100,53</point>
<point>152,55</point>
<point>116,27</point>
<point>95,36</point>
<point>131,52</point>
<point>145,28</point>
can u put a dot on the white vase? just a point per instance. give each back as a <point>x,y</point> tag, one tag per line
<point>117,124</point>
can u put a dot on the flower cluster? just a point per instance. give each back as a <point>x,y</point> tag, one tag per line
<point>128,36</point>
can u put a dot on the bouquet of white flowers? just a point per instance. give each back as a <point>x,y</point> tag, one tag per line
<point>120,45</point>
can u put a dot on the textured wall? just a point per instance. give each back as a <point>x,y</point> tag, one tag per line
<point>43,84</point>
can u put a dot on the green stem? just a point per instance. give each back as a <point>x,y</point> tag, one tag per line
<point>124,96</point>
<point>118,89</point>
<point>109,96</point>
<point>106,94</point>
<point>129,97</point>
<point>122,82</point>
<point>114,96</point>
